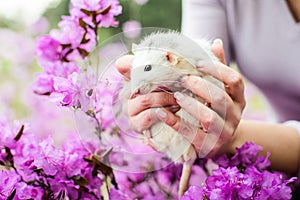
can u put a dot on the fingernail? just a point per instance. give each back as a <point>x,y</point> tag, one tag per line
<point>175,106</point>
<point>218,41</point>
<point>161,113</point>
<point>179,96</point>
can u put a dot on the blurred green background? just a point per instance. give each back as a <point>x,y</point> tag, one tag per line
<point>154,13</point>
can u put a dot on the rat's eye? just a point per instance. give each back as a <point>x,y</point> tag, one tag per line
<point>147,68</point>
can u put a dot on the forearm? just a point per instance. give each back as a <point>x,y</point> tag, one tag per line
<point>281,141</point>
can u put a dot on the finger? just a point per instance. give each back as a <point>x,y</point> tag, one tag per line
<point>191,133</point>
<point>212,124</point>
<point>150,100</point>
<point>209,92</point>
<point>218,49</point>
<point>232,80</point>
<point>124,65</point>
<point>203,114</point>
<point>144,120</point>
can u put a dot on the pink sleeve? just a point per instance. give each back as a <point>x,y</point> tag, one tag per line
<point>205,18</point>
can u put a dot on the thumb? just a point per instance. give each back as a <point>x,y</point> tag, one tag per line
<point>123,65</point>
<point>218,50</point>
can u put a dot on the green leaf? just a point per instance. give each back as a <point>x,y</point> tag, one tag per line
<point>82,23</point>
<point>83,52</point>
<point>19,134</point>
<point>90,92</point>
<point>81,181</point>
<point>12,195</point>
<point>45,94</point>
<point>104,11</point>
<point>87,12</point>
<point>84,41</point>
<point>66,45</point>
<point>106,170</point>
<point>90,113</point>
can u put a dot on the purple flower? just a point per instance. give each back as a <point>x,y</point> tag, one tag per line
<point>66,91</point>
<point>194,193</point>
<point>224,182</point>
<point>40,167</point>
<point>223,161</point>
<point>89,17</point>
<point>6,138</point>
<point>71,37</point>
<point>61,69</point>
<point>61,185</point>
<point>117,194</point>
<point>92,5</point>
<point>73,154</point>
<point>74,41</point>
<point>87,94</point>
<point>50,158</point>
<point>8,181</point>
<point>25,191</point>
<point>248,180</point>
<point>245,154</point>
<point>48,49</point>
<point>105,19</point>
<point>71,31</point>
<point>44,84</point>
<point>273,187</point>
<point>262,162</point>
<point>96,5</point>
<point>105,108</point>
<point>8,132</point>
<point>108,19</point>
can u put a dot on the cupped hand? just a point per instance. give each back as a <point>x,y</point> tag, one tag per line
<point>219,116</point>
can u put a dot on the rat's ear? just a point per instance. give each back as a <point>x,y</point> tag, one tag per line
<point>133,47</point>
<point>172,58</point>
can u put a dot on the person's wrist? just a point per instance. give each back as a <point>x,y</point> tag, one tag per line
<point>230,146</point>
<point>235,140</point>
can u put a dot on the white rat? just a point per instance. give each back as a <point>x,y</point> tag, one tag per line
<point>161,59</point>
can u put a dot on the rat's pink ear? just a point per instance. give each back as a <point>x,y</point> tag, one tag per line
<point>133,47</point>
<point>172,58</point>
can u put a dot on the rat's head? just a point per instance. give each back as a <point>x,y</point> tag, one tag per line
<point>157,69</point>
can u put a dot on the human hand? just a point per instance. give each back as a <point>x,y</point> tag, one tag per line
<point>220,119</point>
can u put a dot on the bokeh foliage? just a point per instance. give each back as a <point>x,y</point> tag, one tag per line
<point>155,13</point>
